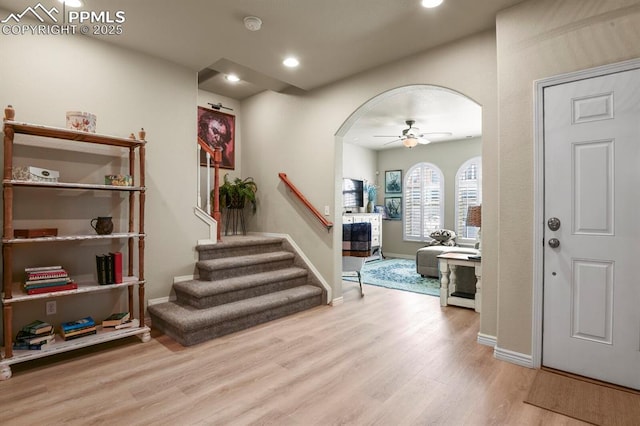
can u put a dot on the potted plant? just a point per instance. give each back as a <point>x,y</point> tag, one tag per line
<point>235,194</point>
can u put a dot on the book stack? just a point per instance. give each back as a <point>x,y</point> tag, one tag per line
<point>78,328</point>
<point>109,268</point>
<point>117,320</point>
<point>34,336</point>
<point>46,279</point>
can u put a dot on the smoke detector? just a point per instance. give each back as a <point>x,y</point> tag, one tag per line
<point>252,23</point>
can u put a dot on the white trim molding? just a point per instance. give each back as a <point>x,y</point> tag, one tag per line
<point>184,278</point>
<point>487,340</point>
<point>159,300</point>
<point>325,285</point>
<point>337,301</point>
<point>538,188</point>
<point>517,358</point>
<point>211,222</point>
<point>400,256</point>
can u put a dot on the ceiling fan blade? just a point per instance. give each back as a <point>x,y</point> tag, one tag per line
<point>395,140</point>
<point>435,134</point>
<point>385,136</point>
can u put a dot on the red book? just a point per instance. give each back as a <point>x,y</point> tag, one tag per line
<point>117,266</point>
<point>40,290</point>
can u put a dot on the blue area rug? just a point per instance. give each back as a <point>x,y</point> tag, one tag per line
<point>399,274</point>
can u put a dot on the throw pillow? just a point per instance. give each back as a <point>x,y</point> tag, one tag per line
<point>444,237</point>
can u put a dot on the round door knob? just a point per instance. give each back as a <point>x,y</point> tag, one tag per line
<point>554,243</point>
<point>554,223</point>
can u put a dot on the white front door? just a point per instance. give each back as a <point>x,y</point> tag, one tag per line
<point>591,313</point>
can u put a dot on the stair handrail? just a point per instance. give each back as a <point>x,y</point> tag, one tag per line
<point>303,199</point>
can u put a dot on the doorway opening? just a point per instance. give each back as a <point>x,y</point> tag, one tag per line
<point>372,145</point>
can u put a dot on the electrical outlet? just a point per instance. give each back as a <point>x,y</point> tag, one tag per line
<point>51,307</point>
<point>326,210</point>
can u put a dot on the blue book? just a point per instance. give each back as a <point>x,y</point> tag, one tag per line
<point>78,324</point>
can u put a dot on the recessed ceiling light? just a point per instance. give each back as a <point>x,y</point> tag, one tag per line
<point>232,78</point>
<point>291,62</point>
<point>71,3</point>
<point>431,3</point>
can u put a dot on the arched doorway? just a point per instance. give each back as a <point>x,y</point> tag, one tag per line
<point>373,140</point>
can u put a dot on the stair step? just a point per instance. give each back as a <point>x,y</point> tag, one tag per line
<point>188,325</point>
<point>239,246</point>
<point>228,267</point>
<point>204,294</point>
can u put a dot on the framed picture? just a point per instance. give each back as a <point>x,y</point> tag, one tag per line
<point>393,181</point>
<point>393,206</point>
<point>382,210</point>
<point>217,129</point>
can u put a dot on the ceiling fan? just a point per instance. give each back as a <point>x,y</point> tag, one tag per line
<point>411,136</point>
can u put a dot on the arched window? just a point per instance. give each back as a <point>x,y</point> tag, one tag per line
<point>468,193</point>
<point>423,201</point>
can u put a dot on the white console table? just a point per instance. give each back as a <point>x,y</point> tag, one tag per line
<point>448,263</point>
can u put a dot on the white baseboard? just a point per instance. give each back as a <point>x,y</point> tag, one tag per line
<point>184,278</point>
<point>337,301</point>
<point>399,256</point>
<point>157,301</point>
<point>304,259</point>
<point>487,340</point>
<point>513,357</point>
<point>172,296</point>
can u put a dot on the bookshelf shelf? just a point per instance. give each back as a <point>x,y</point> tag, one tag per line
<point>70,135</point>
<point>71,238</point>
<point>44,137</point>
<point>70,185</point>
<point>60,345</point>
<point>18,294</point>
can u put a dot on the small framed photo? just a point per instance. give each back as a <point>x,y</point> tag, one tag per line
<point>393,181</point>
<point>393,206</point>
<point>382,210</point>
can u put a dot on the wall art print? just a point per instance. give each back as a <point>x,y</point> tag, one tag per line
<point>217,129</point>
<point>393,181</point>
<point>393,205</point>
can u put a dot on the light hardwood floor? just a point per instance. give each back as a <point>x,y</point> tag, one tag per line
<point>390,358</point>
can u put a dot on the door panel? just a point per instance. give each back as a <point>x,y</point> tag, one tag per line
<point>591,314</point>
<point>592,300</point>
<point>592,164</point>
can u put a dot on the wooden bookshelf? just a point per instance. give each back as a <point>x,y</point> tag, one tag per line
<point>13,294</point>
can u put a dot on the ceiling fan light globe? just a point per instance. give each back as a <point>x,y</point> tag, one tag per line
<point>410,142</point>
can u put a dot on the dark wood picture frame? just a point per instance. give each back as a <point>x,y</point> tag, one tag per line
<point>393,182</point>
<point>217,129</point>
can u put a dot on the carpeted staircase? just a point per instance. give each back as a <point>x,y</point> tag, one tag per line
<point>243,281</point>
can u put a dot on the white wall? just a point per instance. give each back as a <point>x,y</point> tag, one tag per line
<point>448,157</point>
<point>42,77</point>
<point>360,163</point>
<point>539,39</point>
<point>294,133</point>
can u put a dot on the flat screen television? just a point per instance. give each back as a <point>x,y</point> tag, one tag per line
<point>352,193</point>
